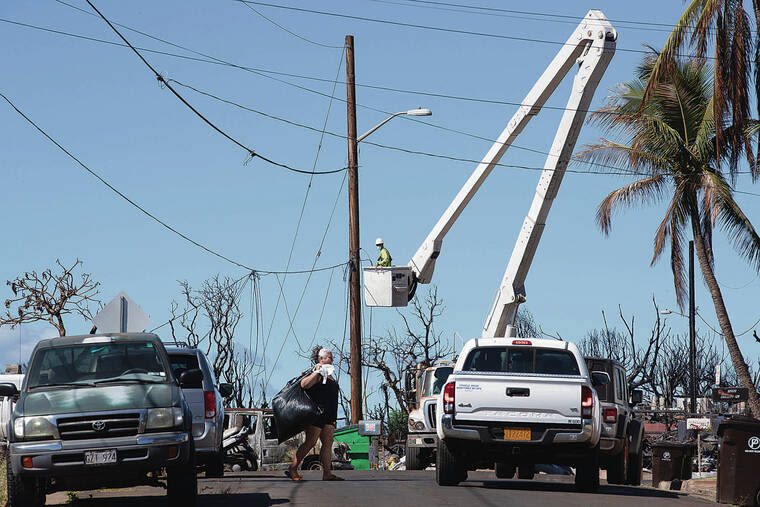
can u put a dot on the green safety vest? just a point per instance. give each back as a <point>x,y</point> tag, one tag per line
<point>385,258</point>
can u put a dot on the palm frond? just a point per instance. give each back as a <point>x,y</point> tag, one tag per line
<point>644,191</point>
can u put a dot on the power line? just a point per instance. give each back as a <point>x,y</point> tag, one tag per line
<point>264,72</point>
<point>431,27</point>
<point>251,152</point>
<point>294,34</point>
<point>148,213</point>
<point>122,195</point>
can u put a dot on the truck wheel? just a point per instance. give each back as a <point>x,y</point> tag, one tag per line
<point>504,470</point>
<point>447,471</point>
<point>182,482</point>
<point>526,472</point>
<point>633,473</point>
<point>215,464</point>
<point>23,491</point>
<point>312,463</point>
<point>413,461</point>
<point>587,472</point>
<point>616,469</point>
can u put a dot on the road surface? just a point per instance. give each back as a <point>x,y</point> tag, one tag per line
<point>385,489</point>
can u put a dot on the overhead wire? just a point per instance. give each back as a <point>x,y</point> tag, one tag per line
<point>145,211</point>
<point>417,26</point>
<point>294,34</point>
<point>250,151</point>
<point>298,227</point>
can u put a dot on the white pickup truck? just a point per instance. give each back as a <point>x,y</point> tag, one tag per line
<point>512,403</point>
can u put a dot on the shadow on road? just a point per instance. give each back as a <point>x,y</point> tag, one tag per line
<point>606,489</point>
<point>247,499</point>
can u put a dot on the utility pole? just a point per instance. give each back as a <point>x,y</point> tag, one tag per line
<point>692,334</point>
<point>355,300</point>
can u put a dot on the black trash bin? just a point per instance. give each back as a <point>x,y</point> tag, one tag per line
<point>739,461</point>
<point>671,462</point>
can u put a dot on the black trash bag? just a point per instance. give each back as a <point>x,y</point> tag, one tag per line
<point>294,410</point>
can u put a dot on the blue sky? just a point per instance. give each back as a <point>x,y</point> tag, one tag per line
<point>105,106</point>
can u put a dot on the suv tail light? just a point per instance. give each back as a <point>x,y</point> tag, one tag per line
<point>521,342</point>
<point>209,402</point>
<point>448,398</point>
<point>587,402</point>
<point>610,415</point>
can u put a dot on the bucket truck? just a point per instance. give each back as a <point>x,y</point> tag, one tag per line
<point>510,403</point>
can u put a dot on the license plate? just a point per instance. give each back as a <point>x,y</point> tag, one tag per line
<point>516,433</point>
<point>103,457</point>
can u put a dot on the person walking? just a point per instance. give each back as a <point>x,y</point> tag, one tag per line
<point>385,256</point>
<point>323,389</point>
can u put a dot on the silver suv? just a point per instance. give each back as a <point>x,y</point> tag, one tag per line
<point>99,411</point>
<point>205,399</point>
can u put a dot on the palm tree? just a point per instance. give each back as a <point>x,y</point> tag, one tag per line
<point>671,144</point>
<point>735,54</point>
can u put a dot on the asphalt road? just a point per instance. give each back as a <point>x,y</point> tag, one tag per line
<point>391,489</point>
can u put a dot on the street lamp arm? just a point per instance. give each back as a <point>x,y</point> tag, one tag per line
<point>379,125</point>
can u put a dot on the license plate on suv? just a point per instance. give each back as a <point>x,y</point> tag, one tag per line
<point>103,457</point>
<point>516,433</point>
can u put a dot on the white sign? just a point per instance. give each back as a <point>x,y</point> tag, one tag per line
<point>121,315</point>
<point>701,423</point>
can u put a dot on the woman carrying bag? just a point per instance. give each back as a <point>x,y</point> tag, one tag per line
<point>323,389</point>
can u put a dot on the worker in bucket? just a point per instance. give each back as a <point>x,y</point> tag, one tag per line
<point>385,256</point>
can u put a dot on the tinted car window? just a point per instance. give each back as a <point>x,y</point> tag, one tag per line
<point>180,363</point>
<point>96,361</point>
<point>556,362</point>
<point>521,360</point>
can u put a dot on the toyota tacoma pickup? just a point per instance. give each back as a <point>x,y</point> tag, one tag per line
<point>100,411</point>
<point>512,403</point>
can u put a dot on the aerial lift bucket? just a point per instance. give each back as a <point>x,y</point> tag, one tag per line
<point>387,286</point>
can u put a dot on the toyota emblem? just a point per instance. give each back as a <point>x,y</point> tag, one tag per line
<point>99,425</point>
<point>754,443</point>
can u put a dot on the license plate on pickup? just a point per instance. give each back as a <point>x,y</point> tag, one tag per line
<point>516,433</point>
<point>103,457</point>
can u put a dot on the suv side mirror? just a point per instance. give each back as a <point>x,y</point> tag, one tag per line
<point>225,390</point>
<point>637,397</point>
<point>599,378</point>
<point>191,378</point>
<point>8,389</point>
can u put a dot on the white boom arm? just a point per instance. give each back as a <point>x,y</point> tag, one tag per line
<point>591,47</point>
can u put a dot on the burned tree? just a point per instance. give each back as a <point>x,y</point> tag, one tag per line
<point>397,352</point>
<point>49,296</point>
<point>208,321</point>
<point>640,363</point>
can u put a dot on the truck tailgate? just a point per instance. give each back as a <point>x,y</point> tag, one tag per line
<point>520,399</point>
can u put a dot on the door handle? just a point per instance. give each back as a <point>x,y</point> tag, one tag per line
<point>518,391</point>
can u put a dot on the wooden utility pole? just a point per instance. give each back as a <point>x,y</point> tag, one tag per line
<point>355,300</point>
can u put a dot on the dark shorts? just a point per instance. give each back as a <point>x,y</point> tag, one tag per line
<point>322,422</point>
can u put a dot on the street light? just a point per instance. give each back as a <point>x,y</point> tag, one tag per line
<point>412,112</point>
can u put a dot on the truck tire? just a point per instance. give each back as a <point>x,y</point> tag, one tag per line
<point>526,472</point>
<point>413,455</point>
<point>504,470</point>
<point>448,471</point>
<point>616,468</point>
<point>23,491</point>
<point>215,464</point>
<point>633,472</point>
<point>182,482</point>
<point>587,473</point>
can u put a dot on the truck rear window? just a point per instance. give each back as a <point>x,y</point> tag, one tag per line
<point>521,360</point>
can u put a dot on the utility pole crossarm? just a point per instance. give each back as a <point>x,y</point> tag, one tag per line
<point>594,34</point>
